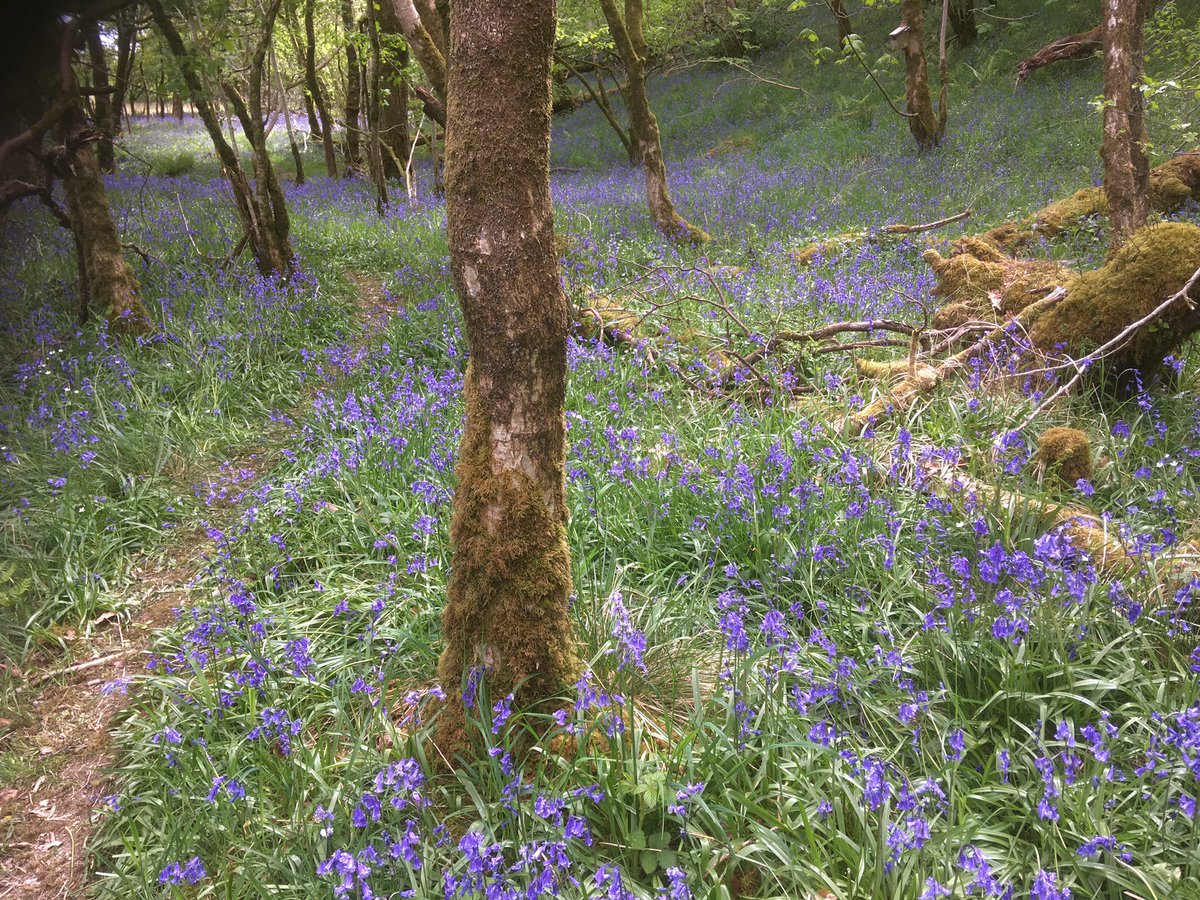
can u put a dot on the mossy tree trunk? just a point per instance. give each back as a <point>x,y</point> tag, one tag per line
<point>927,127</point>
<point>630,41</point>
<point>374,144</point>
<point>506,615</point>
<point>1126,168</point>
<point>106,279</point>
<point>393,109</point>
<point>424,46</point>
<point>352,145</point>
<point>261,208</point>
<point>314,88</point>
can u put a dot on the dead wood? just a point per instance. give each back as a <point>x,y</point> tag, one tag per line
<point>1073,46</point>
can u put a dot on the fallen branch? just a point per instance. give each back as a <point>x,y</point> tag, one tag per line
<point>927,378</point>
<point>81,666</point>
<point>927,226</point>
<point>1072,46</point>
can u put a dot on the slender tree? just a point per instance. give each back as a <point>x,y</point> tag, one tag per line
<point>314,88</point>
<point>962,22</point>
<point>506,617</point>
<point>104,114</point>
<point>261,207</point>
<point>352,145</point>
<point>630,41</point>
<point>1126,168</point>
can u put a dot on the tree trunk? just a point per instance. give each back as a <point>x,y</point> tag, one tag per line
<point>105,274</point>
<point>631,47</point>
<point>1126,168</point>
<point>962,22</point>
<point>105,121</point>
<point>297,159</point>
<point>314,88</point>
<point>844,26</point>
<point>910,38</point>
<point>393,112</point>
<point>422,43</point>
<point>126,50</point>
<point>351,147</point>
<point>506,615</point>
<point>177,105</point>
<point>375,148</point>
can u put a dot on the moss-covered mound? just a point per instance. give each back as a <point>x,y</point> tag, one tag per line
<point>979,281</point>
<point>1065,454</point>
<point>1155,263</point>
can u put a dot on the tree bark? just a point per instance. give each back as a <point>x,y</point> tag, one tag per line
<point>104,118</point>
<point>352,146</point>
<point>422,44</point>
<point>393,109</point>
<point>126,50</point>
<point>962,22</point>
<point>106,278</point>
<point>314,88</point>
<point>375,147</point>
<point>923,122</point>
<point>627,35</point>
<point>506,616</point>
<point>1126,168</point>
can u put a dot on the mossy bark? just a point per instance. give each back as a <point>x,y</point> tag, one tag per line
<point>627,35</point>
<point>923,122</point>
<point>422,43</point>
<point>1126,169</point>
<point>393,109</point>
<point>507,609</point>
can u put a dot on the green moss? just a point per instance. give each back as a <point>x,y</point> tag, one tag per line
<point>994,283</point>
<point>1065,454</point>
<point>506,611</point>
<point>1154,264</point>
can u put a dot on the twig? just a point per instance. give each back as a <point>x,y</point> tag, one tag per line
<point>81,666</point>
<point>927,226</point>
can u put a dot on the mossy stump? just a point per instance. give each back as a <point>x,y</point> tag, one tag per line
<point>1065,454</point>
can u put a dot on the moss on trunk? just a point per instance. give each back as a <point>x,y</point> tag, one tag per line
<point>506,614</point>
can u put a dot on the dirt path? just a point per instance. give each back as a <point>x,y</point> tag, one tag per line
<point>56,748</point>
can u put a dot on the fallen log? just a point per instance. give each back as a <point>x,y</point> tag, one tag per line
<point>1073,46</point>
<point>1171,185</point>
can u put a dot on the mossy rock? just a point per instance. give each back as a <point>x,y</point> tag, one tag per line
<point>1154,264</point>
<point>1171,185</point>
<point>1065,454</point>
<point>1175,182</point>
